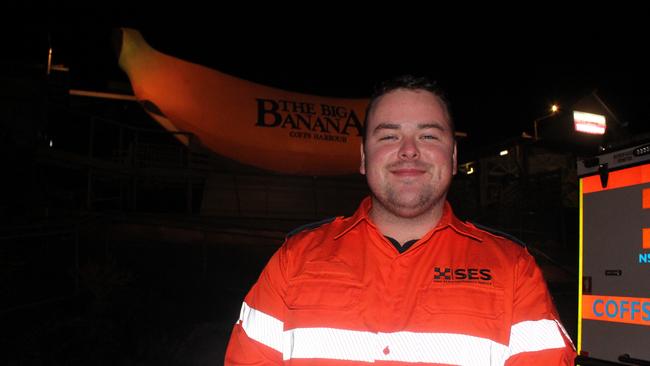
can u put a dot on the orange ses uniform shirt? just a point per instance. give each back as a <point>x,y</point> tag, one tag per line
<point>341,294</point>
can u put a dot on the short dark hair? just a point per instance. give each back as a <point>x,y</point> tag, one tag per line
<point>408,82</point>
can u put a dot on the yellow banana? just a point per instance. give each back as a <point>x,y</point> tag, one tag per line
<point>270,128</point>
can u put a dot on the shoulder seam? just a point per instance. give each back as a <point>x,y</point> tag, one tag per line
<point>500,234</point>
<point>309,226</point>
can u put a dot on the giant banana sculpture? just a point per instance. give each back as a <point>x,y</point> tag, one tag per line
<point>265,127</point>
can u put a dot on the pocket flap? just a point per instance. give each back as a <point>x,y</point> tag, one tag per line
<point>464,299</point>
<point>322,294</point>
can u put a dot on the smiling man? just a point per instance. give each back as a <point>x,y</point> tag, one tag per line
<point>409,158</point>
<point>402,281</point>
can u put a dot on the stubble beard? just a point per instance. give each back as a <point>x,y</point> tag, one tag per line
<point>411,204</point>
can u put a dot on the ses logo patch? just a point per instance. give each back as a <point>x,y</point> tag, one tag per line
<point>448,274</point>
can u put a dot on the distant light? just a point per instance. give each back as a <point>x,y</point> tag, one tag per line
<point>554,108</point>
<point>467,168</point>
<point>589,123</point>
<point>503,152</point>
<point>51,143</point>
<point>49,60</point>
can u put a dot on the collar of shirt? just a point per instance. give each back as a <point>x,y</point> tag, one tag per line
<point>447,220</point>
<point>401,248</point>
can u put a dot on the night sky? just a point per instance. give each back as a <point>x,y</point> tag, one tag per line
<point>499,76</point>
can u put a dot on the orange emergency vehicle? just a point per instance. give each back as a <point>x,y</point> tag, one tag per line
<point>614,296</point>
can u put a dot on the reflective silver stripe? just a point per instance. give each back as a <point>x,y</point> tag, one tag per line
<point>331,343</point>
<point>537,335</point>
<point>447,348</point>
<point>354,345</point>
<point>262,327</point>
<point>566,334</point>
<point>350,345</point>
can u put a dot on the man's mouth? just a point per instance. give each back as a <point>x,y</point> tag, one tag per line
<point>408,172</point>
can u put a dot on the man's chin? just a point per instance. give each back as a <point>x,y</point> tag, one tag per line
<point>409,212</point>
<point>410,208</point>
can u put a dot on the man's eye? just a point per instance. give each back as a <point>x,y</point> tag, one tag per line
<point>389,137</point>
<point>429,137</point>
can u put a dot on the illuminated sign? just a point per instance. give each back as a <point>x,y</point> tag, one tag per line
<point>589,123</point>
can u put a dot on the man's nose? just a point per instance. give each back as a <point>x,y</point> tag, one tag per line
<point>408,149</point>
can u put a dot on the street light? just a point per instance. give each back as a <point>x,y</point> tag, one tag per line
<point>554,109</point>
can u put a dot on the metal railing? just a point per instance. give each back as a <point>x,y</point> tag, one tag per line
<point>125,155</point>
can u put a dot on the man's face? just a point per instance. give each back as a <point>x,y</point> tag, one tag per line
<point>409,155</point>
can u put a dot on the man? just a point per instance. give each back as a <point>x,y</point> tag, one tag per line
<point>403,281</point>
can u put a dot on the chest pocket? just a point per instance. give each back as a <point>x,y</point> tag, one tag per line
<point>462,299</point>
<point>325,286</point>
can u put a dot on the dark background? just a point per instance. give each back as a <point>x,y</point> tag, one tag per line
<point>500,72</point>
<point>158,285</point>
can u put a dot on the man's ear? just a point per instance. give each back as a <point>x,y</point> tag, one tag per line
<point>454,161</point>
<point>362,167</point>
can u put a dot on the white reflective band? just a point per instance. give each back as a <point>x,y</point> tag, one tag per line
<point>446,348</point>
<point>261,327</point>
<point>566,334</point>
<point>353,345</point>
<point>341,344</point>
<point>331,343</point>
<point>538,335</point>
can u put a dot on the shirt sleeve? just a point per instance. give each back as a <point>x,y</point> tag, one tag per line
<point>257,337</point>
<point>536,335</point>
